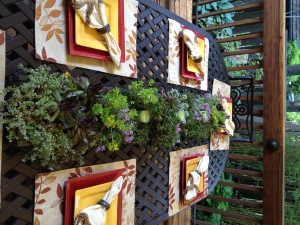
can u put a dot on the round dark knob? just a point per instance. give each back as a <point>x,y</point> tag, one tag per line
<point>273,145</point>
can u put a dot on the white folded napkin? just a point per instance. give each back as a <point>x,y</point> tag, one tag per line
<point>190,39</point>
<point>229,125</point>
<point>93,14</point>
<point>192,186</point>
<point>95,215</point>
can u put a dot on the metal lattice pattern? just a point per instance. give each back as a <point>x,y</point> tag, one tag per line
<point>17,19</point>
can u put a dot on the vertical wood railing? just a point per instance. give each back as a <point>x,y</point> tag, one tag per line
<point>274,116</point>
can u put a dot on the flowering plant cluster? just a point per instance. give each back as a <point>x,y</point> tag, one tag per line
<point>64,117</point>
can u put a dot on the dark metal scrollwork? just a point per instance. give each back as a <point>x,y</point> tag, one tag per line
<point>242,112</point>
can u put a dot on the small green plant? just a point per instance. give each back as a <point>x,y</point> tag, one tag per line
<point>142,97</point>
<point>115,118</point>
<point>204,117</point>
<point>29,115</point>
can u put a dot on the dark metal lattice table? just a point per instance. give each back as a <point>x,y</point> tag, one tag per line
<point>17,19</point>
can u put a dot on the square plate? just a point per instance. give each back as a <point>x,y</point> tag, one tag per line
<point>89,37</point>
<point>83,51</point>
<point>188,66</point>
<point>189,163</point>
<point>72,185</point>
<point>90,196</point>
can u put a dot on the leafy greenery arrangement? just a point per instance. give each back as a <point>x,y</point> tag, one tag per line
<point>64,117</point>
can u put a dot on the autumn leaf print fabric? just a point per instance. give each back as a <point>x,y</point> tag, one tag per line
<point>51,38</point>
<point>175,201</point>
<point>49,191</point>
<point>174,60</point>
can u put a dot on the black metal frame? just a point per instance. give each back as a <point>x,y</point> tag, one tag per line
<point>243,108</point>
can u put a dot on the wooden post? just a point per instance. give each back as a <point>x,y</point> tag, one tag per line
<point>274,111</point>
<point>182,8</point>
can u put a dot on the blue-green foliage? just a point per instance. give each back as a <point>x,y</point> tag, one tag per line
<point>217,19</point>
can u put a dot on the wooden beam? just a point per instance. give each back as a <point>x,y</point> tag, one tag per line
<point>234,9</point>
<point>236,201</point>
<point>240,37</point>
<point>234,215</point>
<point>247,67</point>
<point>205,2</point>
<point>245,157</point>
<point>244,51</point>
<point>274,111</point>
<point>237,23</point>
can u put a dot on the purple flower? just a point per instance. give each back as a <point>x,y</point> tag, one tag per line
<point>207,95</point>
<point>198,118</point>
<point>100,148</point>
<point>128,132</point>
<point>128,139</point>
<point>178,128</point>
<point>125,110</point>
<point>205,108</point>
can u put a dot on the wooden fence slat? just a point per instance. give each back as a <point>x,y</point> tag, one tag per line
<point>243,52</point>
<point>245,157</point>
<point>236,201</point>
<point>243,172</point>
<point>255,127</point>
<point>205,2</point>
<point>247,67</point>
<point>241,37</point>
<point>202,223</point>
<point>235,9</point>
<point>256,98</point>
<point>236,83</point>
<point>234,24</point>
<point>241,186</point>
<point>230,214</point>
